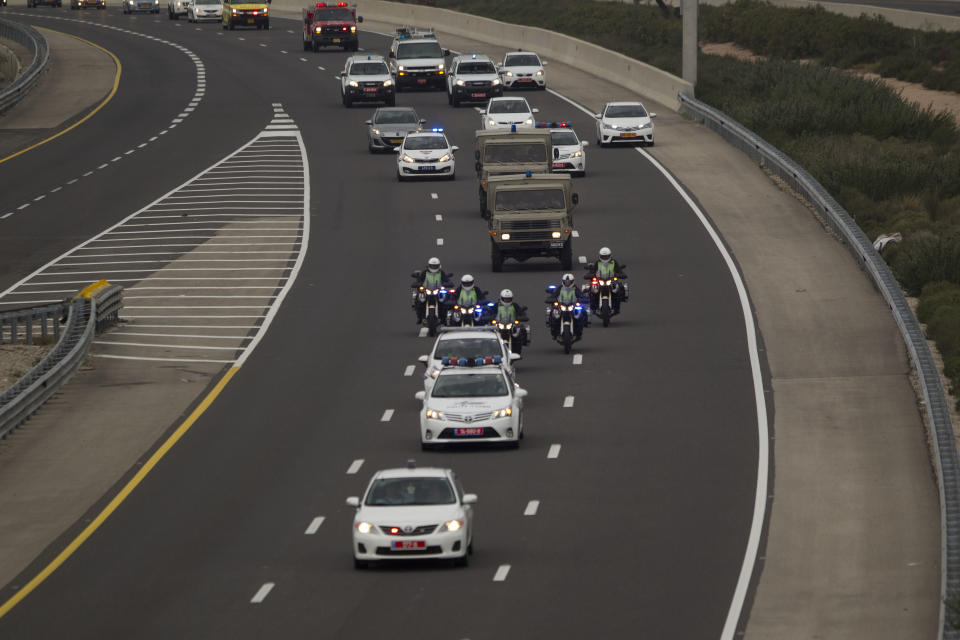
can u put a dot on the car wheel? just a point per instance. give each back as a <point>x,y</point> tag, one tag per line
<point>452,176</point>
<point>359,564</point>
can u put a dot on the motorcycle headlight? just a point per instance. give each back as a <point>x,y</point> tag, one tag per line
<point>491,122</point>
<point>506,412</point>
<point>353,83</point>
<point>353,29</point>
<point>364,527</point>
<point>407,159</point>
<point>444,158</point>
<point>461,83</point>
<point>453,525</point>
<point>434,415</point>
<point>388,83</point>
<point>495,81</point>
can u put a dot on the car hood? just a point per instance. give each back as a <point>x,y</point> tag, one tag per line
<point>524,70</point>
<point>419,62</point>
<point>208,6</point>
<point>426,154</point>
<point>479,77</point>
<point>628,122</point>
<point>414,514</point>
<point>395,129</point>
<point>383,77</point>
<point>469,405</point>
<point>509,117</point>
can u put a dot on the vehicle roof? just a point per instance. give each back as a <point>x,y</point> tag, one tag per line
<point>479,57</point>
<point>506,135</point>
<point>514,53</point>
<point>623,103</point>
<point>564,129</point>
<point>400,41</point>
<point>508,99</point>
<point>426,134</point>
<point>418,472</point>
<point>519,179</point>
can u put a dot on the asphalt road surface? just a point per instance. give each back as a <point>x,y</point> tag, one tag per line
<point>643,514</point>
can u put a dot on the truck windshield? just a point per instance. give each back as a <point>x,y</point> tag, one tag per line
<point>333,14</point>
<point>515,152</point>
<point>369,69</point>
<point>529,199</point>
<point>411,50</point>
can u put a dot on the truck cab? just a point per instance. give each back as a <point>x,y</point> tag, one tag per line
<point>510,152</point>
<point>531,215</point>
<point>327,24</point>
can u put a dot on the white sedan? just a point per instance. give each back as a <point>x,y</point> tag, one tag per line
<point>506,113</point>
<point>412,514</point>
<point>205,10</point>
<point>624,122</point>
<point>523,69</point>
<point>426,154</point>
<point>471,404</point>
<point>568,149</point>
<point>471,343</point>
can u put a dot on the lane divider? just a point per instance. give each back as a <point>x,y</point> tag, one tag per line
<point>314,526</point>
<point>262,593</point>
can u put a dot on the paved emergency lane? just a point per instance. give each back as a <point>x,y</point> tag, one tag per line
<point>643,486</point>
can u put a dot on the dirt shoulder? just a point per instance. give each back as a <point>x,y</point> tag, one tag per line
<point>16,360</point>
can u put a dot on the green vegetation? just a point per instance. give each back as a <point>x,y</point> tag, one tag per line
<point>895,166</point>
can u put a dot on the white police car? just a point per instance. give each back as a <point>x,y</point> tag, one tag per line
<point>624,122</point>
<point>472,78</point>
<point>411,514</point>
<point>471,343</point>
<point>366,78</point>
<point>506,113</point>
<point>469,403</point>
<point>568,149</point>
<point>426,154</point>
<point>523,69</point>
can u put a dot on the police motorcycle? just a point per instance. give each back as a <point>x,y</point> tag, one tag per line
<point>514,335</point>
<point>606,294</point>
<point>433,301</point>
<point>566,321</point>
<point>473,316</point>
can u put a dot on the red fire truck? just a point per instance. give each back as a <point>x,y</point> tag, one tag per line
<point>328,24</point>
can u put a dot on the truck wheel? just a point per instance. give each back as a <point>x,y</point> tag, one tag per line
<point>566,255</point>
<point>347,101</point>
<point>306,46</point>
<point>496,257</point>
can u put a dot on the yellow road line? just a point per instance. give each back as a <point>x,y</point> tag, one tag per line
<point>120,497</point>
<point>116,83</point>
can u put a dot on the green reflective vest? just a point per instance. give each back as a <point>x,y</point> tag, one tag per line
<point>433,279</point>
<point>468,297</point>
<point>606,270</point>
<point>506,313</point>
<point>567,295</point>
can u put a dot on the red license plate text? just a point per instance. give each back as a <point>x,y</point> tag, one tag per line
<point>408,544</point>
<point>468,431</point>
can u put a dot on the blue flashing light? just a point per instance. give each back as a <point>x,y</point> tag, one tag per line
<point>513,128</point>
<point>497,359</point>
<point>437,130</point>
<point>474,56</point>
<point>445,360</point>
<point>529,173</point>
<point>478,361</point>
<point>552,287</point>
<point>491,304</point>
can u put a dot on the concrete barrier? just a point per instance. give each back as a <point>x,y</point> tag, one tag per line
<point>631,74</point>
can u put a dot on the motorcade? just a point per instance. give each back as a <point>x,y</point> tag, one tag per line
<point>366,78</point>
<point>426,154</point>
<point>471,343</point>
<point>412,514</point>
<point>472,78</point>
<point>523,70</point>
<point>328,24</point>
<point>507,113</point>
<point>390,125</point>
<point>417,60</point>
<point>624,122</point>
<point>508,152</point>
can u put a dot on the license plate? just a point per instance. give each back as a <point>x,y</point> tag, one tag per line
<point>370,89</point>
<point>478,95</point>
<point>629,135</point>
<point>250,20</point>
<point>421,81</point>
<point>427,167</point>
<point>335,40</point>
<point>468,431</point>
<point>524,79</point>
<point>396,140</point>
<point>558,165</point>
<point>408,544</point>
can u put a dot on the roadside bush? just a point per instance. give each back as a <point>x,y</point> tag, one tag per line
<point>939,308</point>
<point>923,258</point>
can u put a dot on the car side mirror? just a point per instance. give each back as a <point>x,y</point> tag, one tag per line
<point>469,498</point>
<point>446,53</point>
<point>420,395</point>
<point>416,274</point>
<point>353,501</point>
<point>515,356</point>
<point>597,116</point>
<point>455,148</point>
<point>359,18</point>
<point>396,149</point>
<point>534,110</point>
<point>424,359</point>
<point>653,115</point>
<point>483,112</point>
<point>521,393</point>
<point>423,121</point>
<point>369,122</point>
<point>584,143</point>
<point>391,55</point>
<point>575,198</point>
<point>556,153</point>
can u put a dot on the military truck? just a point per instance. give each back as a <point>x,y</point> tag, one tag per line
<point>531,215</point>
<point>501,152</point>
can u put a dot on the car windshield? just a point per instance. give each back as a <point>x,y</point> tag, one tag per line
<point>333,14</point>
<point>525,60</point>
<point>470,385</point>
<point>529,199</point>
<point>470,348</point>
<point>515,152</point>
<point>369,69</point>
<point>412,50</point>
<point>626,111</point>
<point>425,142</point>
<point>474,68</point>
<point>397,492</point>
<point>509,106</point>
<point>405,116</point>
<point>563,137</point>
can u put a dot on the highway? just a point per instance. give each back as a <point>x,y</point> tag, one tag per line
<point>646,506</point>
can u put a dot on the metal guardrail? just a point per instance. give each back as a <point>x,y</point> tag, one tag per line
<point>95,308</point>
<point>37,44</point>
<point>938,415</point>
<point>25,323</point>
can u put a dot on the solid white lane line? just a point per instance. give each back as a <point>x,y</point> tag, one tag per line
<point>409,370</point>
<point>314,526</point>
<point>553,452</point>
<point>434,196</point>
<point>578,358</point>
<point>423,332</point>
<point>262,593</point>
<point>501,573</point>
<point>355,466</point>
<point>387,415</point>
<point>144,358</point>
<point>439,242</point>
<point>532,508</point>
<point>438,218</point>
<point>568,402</point>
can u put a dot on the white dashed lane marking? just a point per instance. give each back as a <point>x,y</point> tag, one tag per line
<point>582,259</point>
<point>6,215</point>
<point>439,242</point>
<point>423,332</point>
<point>409,370</point>
<point>578,358</point>
<point>262,593</point>
<point>387,415</point>
<point>502,572</point>
<point>438,218</point>
<point>575,233</point>
<point>553,452</point>
<point>434,196</point>
<point>24,206</point>
<point>355,466</point>
<point>314,526</point>
<point>532,508</point>
<point>568,402</point>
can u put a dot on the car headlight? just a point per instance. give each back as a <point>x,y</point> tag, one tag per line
<point>506,412</point>
<point>528,121</point>
<point>461,83</point>
<point>440,66</point>
<point>388,83</point>
<point>505,236</point>
<point>491,122</point>
<point>434,415</point>
<point>234,11</point>
<point>444,158</point>
<point>577,154</point>
<point>265,11</point>
<point>375,132</point>
<point>407,158</point>
<point>400,68</point>
<point>613,126</point>
<point>364,527</point>
<point>495,81</point>
<point>353,83</point>
<point>555,235</point>
<point>317,30</point>
<point>509,74</point>
<point>453,525</point>
<point>353,29</point>
<point>540,73</point>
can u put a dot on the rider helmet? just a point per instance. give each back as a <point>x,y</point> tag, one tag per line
<point>466,280</point>
<point>433,264</point>
<point>605,254</point>
<point>567,279</point>
<point>506,296</point>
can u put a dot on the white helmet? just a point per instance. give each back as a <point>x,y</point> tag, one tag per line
<point>605,254</point>
<point>567,279</point>
<point>506,295</point>
<point>467,280</point>
<point>433,264</point>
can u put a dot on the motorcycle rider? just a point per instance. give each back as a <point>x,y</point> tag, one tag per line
<point>432,277</point>
<point>606,268</point>
<point>566,294</point>
<point>467,294</point>
<point>509,312</point>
